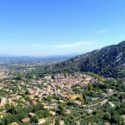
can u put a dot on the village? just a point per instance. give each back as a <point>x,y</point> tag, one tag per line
<point>53,91</point>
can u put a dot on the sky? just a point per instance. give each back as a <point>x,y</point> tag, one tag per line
<point>59,27</point>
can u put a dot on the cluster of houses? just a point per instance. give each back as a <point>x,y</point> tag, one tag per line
<point>36,90</point>
<point>3,73</point>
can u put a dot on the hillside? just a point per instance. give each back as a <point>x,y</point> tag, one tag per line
<point>63,99</point>
<point>58,94</point>
<point>108,61</point>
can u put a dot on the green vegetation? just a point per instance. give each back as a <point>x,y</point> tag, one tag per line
<point>67,93</point>
<point>108,61</point>
<point>97,103</point>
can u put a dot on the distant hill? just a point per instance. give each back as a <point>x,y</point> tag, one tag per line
<point>30,59</point>
<point>108,61</point>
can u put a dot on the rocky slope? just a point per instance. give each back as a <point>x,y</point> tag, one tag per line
<point>108,61</point>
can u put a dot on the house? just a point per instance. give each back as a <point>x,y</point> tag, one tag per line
<point>123,116</point>
<point>3,101</point>
<point>41,121</point>
<point>88,111</point>
<point>52,113</point>
<point>106,123</point>
<point>61,122</point>
<point>111,104</point>
<point>13,123</point>
<point>31,115</point>
<point>25,120</point>
<point>67,111</point>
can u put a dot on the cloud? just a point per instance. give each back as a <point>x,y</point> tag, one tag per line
<point>68,45</point>
<point>102,31</point>
<point>74,44</point>
<point>53,48</point>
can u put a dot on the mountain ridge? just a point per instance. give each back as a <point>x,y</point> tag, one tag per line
<point>108,61</point>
